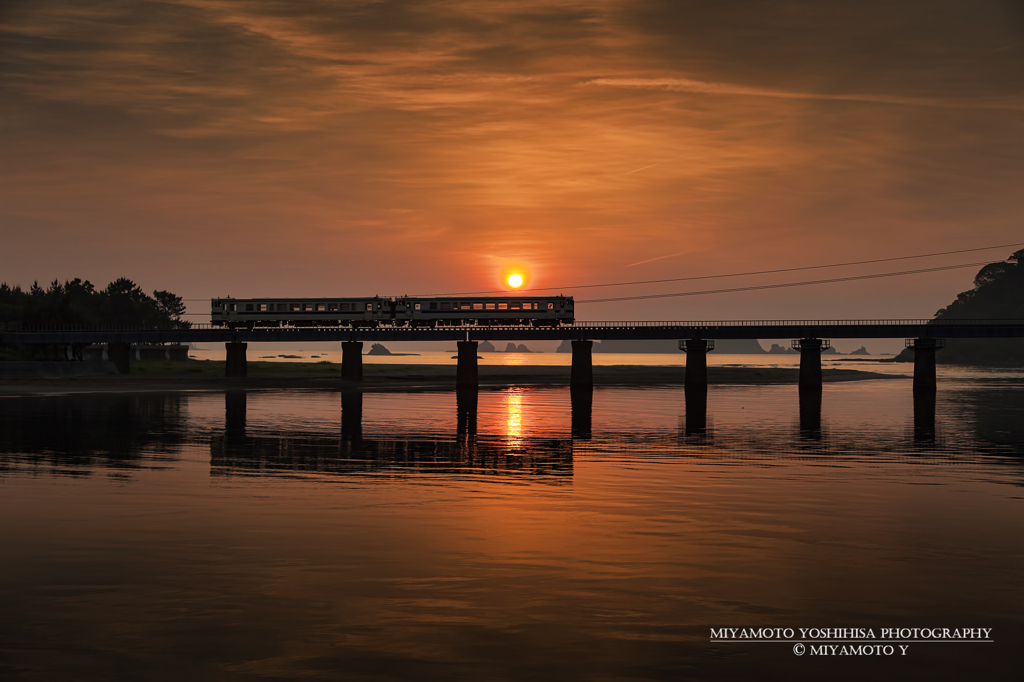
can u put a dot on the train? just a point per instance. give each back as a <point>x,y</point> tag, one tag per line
<point>402,311</point>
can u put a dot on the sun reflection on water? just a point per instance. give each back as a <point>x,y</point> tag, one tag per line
<point>514,417</point>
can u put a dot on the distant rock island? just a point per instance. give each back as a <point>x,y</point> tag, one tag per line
<point>860,351</point>
<point>488,347</point>
<point>998,294</point>
<point>776,349</point>
<point>730,346</point>
<point>379,349</point>
<point>722,346</point>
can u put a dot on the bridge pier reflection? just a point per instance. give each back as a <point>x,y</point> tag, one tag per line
<point>810,413</point>
<point>351,416</point>
<point>235,405</point>
<point>924,416</point>
<point>696,411</point>
<point>466,400</point>
<point>582,401</point>
<point>352,360</point>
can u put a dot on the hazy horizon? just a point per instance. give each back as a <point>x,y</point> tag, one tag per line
<point>264,148</point>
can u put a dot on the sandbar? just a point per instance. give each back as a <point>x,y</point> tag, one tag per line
<point>209,376</point>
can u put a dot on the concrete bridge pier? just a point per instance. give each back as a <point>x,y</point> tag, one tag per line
<point>924,362</point>
<point>121,355</point>
<point>466,399</point>
<point>696,379</point>
<point>810,362</point>
<point>582,374</point>
<point>235,365</point>
<point>468,373</point>
<point>582,402</point>
<point>352,360</point>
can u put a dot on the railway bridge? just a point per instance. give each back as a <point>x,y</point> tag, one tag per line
<point>695,338</point>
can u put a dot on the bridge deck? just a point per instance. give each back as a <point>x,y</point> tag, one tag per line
<point>597,331</point>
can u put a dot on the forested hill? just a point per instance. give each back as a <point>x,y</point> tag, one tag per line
<point>998,294</point>
<point>122,303</point>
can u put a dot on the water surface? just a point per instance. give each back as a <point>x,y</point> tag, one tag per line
<point>511,534</point>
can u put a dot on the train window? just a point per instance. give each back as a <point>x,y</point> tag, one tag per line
<point>344,307</point>
<point>478,306</point>
<point>444,306</point>
<point>319,306</point>
<point>551,306</point>
<point>216,304</point>
<point>489,306</point>
<point>332,306</point>
<point>503,306</point>
<point>369,306</point>
<point>248,307</point>
<point>231,307</point>
<point>417,306</point>
<point>514,306</point>
<point>281,307</point>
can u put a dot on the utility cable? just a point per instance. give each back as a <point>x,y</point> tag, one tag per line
<point>738,274</point>
<point>761,287</point>
<point>734,274</point>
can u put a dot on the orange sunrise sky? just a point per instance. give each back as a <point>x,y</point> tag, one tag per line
<point>313,148</point>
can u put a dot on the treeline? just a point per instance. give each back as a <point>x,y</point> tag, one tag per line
<point>78,303</point>
<point>998,294</point>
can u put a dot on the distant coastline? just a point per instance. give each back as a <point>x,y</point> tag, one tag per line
<point>208,375</point>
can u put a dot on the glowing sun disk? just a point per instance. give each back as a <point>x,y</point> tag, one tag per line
<point>515,281</point>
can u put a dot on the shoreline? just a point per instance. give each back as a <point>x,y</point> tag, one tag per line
<point>209,376</point>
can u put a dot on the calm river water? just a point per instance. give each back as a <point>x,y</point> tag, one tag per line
<point>517,534</point>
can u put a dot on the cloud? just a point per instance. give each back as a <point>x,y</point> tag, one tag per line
<point>696,86</point>
<point>551,131</point>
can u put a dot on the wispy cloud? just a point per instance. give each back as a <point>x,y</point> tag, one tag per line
<point>697,86</point>
<point>651,260</point>
<point>419,134</point>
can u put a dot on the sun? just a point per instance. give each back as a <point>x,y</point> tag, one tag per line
<point>515,281</point>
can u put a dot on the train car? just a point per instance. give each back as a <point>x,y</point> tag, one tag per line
<point>300,312</point>
<point>535,311</point>
<point>403,311</point>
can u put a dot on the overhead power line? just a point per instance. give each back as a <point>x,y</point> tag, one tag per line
<point>761,287</point>
<point>739,274</point>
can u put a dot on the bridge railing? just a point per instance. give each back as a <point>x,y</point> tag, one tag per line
<point>579,324</point>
